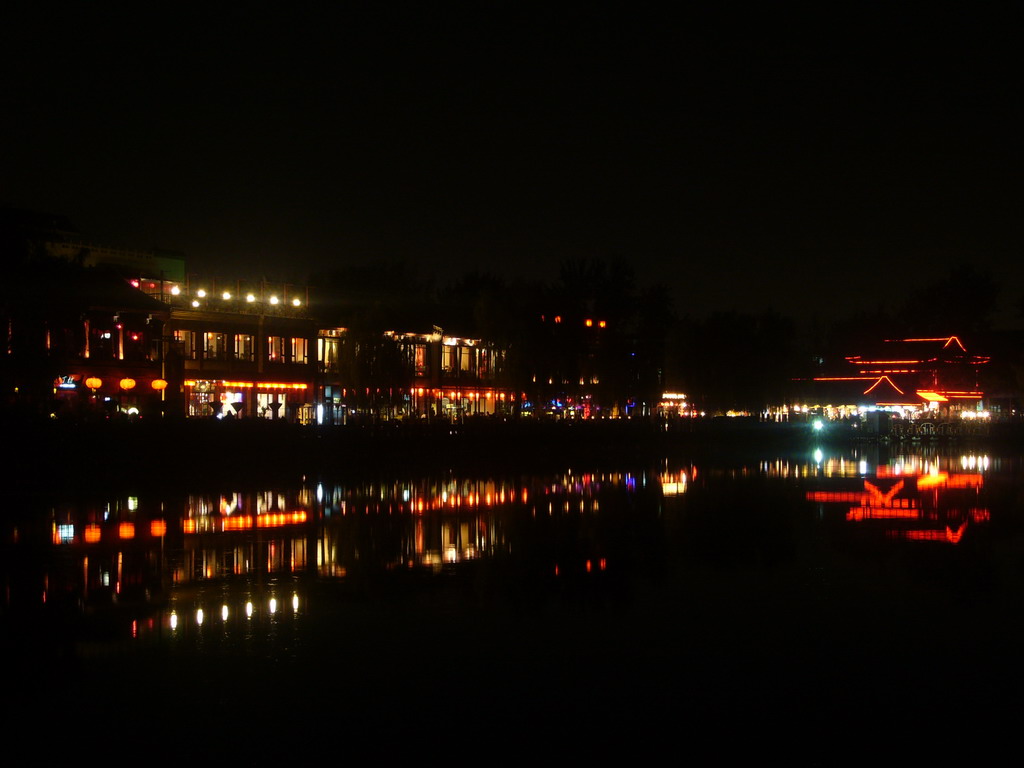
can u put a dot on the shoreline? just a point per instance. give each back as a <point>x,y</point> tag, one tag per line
<point>184,452</point>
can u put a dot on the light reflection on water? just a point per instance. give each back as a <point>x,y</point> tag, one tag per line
<point>647,578</point>
<point>248,555</point>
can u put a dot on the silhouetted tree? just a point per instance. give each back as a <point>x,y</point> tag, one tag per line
<point>597,335</point>
<point>739,361</point>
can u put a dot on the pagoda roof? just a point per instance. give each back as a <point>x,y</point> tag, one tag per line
<point>901,356</point>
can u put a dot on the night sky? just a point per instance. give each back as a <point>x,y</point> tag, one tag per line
<point>809,163</point>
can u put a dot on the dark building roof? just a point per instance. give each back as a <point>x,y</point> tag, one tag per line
<point>69,287</point>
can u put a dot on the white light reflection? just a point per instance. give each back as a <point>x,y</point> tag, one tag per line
<point>974,462</point>
<point>224,612</point>
<point>199,616</point>
<point>248,609</point>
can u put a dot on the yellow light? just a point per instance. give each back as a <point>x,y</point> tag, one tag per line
<point>93,383</point>
<point>127,383</point>
<point>274,299</point>
<point>195,302</point>
<point>159,384</point>
<point>175,290</point>
<point>279,385</point>
<point>92,534</point>
<point>201,293</point>
<point>275,519</point>
<point>226,296</point>
<point>157,528</point>
<point>126,530</point>
<point>250,298</point>
<point>296,302</point>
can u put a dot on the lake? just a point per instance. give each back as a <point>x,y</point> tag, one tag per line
<point>819,606</point>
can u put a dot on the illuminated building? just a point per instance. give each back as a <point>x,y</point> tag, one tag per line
<point>911,379</point>
<point>675,405</point>
<point>79,340</point>
<point>96,330</point>
<point>239,350</point>
<point>147,346</point>
<point>397,375</point>
<point>89,345</point>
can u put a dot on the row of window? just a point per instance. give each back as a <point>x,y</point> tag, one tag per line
<point>212,345</point>
<point>477,361</point>
<point>105,344</point>
<point>215,345</point>
<point>455,359</point>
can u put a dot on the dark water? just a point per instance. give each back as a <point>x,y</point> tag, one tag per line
<point>816,609</point>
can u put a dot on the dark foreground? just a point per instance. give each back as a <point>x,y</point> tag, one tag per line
<point>802,666</point>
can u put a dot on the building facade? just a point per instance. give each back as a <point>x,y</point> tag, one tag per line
<point>240,351</point>
<point>931,378</point>
<point>410,375</point>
